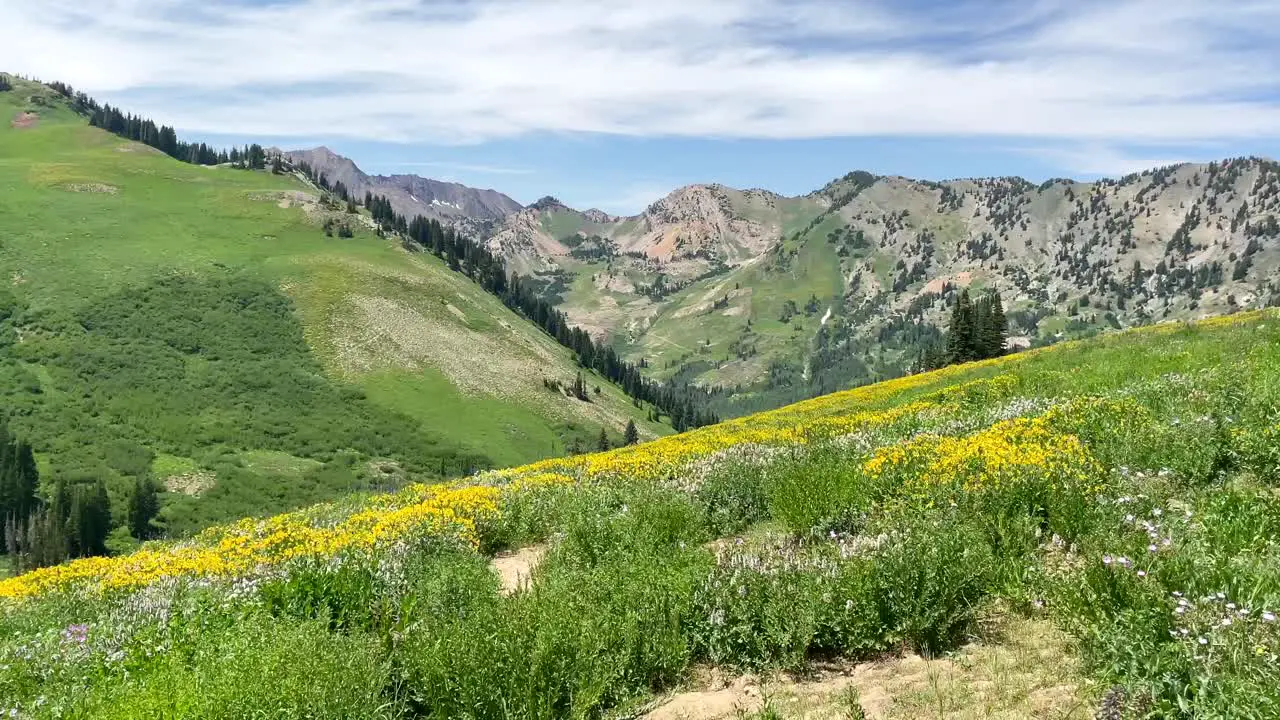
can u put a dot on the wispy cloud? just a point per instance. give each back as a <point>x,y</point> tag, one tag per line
<point>1093,71</point>
<point>462,167</point>
<point>1104,160</point>
<point>632,198</point>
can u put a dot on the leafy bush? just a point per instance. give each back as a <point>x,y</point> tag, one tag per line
<point>819,492</point>
<point>602,626</point>
<point>260,668</point>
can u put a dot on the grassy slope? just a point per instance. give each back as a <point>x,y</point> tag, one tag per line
<point>830,559</point>
<point>689,328</point>
<point>62,249</point>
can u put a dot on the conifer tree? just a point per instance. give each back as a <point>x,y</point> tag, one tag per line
<point>997,328</point>
<point>981,324</point>
<point>631,436</point>
<point>18,477</point>
<point>144,504</point>
<point>960,332</point>
<point>602,443</point>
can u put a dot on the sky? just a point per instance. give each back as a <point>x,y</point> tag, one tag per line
<point>613,103</point>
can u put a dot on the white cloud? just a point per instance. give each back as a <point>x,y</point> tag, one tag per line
<point>1085,70</point>
<point>631,198</point>
<point>464,167</point>
<point>1104,160</point>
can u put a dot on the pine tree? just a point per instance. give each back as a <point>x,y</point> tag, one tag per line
<point>602,443</point>
<point>18,478</point>
<point>144,504</point>
<point>997,330</point>
<point>981,323</point>
<point>960,333</point>
<point>631,436</point>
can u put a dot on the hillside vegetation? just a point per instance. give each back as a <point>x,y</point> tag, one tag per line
<point>788,297</point>
<point>1122,489</point>
<point>194,326</point>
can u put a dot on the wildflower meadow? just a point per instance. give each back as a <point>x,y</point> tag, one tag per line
<point>1123,488</point>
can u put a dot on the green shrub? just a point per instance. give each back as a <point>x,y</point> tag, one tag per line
<point>819,492</point>
<point>602,626</point>
<point>262,668</point>
<point>734,496</point>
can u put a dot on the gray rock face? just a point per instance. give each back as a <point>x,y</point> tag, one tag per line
<point>412,195</point>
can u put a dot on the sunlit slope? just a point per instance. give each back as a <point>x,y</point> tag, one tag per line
<point>128,272</point>
<point>1001,418</point>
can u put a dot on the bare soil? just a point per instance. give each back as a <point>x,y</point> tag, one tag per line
<point>515,569</point>
<point>1028,672</point>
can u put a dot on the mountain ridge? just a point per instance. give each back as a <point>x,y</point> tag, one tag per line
<point>710,281</point>
<point>738,288</point>
<point>410,195</point>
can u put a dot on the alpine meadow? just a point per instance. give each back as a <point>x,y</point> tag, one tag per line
<point>280,438</point>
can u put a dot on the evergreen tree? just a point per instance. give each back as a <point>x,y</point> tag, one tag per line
<point>602,443</point>
<point>144,504</point>
<point>257,157</point>
<point>997,328</point>
<point>981,324</point>
<point>4,83</point>
<point>631,436</point>
<point>18,477</point>
<point>960,332</point>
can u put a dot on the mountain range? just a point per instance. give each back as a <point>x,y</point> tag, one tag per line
<point>411,195</point>
<point>781,296</point>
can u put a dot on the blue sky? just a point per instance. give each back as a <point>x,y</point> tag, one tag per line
<point>613,103</point>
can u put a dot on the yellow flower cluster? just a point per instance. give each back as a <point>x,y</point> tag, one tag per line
<point>1011,451</point>
<point>437,510</point>
<point>656,459</point>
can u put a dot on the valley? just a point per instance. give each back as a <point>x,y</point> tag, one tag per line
<point>280,438</point>
<point>785,297</point>
<point>164,315</point>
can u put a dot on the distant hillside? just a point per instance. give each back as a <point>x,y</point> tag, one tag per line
<point>411,195</point>
<point>793,295</point>
<point>195,325</point>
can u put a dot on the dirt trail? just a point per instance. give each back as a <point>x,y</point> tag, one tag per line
<point>1030,673</point>
<point>515,569</point>
<point>25,120</point>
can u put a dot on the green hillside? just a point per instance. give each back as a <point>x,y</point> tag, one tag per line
<point>1085,530</point>
<point>186,322</point>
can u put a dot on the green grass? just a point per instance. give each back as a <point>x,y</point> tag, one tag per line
<point>507,433</point>
<point>1032,491</point>
<point>126,353</point>
<point>278,464</point>
<point>813,271</point>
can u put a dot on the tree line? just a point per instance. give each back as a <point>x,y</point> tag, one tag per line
<point>685,404</point>
<point>978,330</point>
<point>74,521</point>
<point>161,137</point>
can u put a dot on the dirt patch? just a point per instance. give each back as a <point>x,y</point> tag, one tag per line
<point>515,569</point>
<point>1031,672</point>
<point>194,483</point>
<point>295,198</point>
<point>960,279</point>
<point>91,188</point>
<point>25,120</point>
<point>457,312</point>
